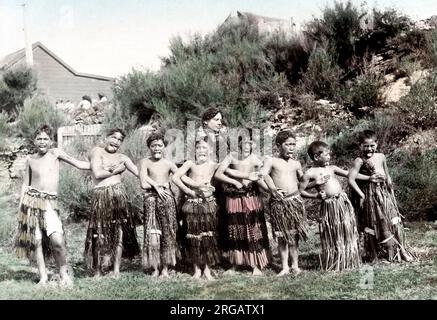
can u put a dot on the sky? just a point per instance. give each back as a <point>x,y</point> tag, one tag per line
<point>111,37</point>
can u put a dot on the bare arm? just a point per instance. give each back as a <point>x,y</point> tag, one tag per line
<point>304,184</point>
<point>387,174</point>
<point>62,155</point>
<point>220,173</point>
<point>131,167</point>
<point>353,172</point>
<point>25,184</point>
<point>177,178</point>
<point>345,173</point>
<point>97,166</point>
<point>145,181</point>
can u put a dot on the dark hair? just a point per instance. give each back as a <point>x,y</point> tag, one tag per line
<point>201,138</point>
<point>156,136</point>
<point>316,148</point>
<point>366,134</point>
<point>114,130</point>
<point>210,113</point>
<point>282,136</point>
<point>44,128</point>
<point>87,98</point>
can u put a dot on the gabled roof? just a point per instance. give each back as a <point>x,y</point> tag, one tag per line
<point>16,56</point>
<point>251,17</point>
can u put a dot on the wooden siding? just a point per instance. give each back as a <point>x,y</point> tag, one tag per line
<point>87,133</point>
<point>58,82</point>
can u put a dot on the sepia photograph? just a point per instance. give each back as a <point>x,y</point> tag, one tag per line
<point>222,152</point>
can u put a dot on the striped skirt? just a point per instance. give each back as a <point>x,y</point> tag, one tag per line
<point>30,217</point>
<point>160,228</point>
<point>288,218</point>
<point>247,230</point>
<point>381,224</point>
<point>201,239</point>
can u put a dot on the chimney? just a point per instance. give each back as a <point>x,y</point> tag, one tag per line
<point>28,43</point>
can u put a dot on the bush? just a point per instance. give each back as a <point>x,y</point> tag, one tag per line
<point>419,107</point>
<point>16,85</point>
<point>5,129</point>
<point>289,55</point>
<point>363,95</point>
<point>415,179</point>
<point>135,145</point>
<point>431,49</point>
<point>74,193</point>
<point>36,111</point>
<point>323,75</point>
<point>340,27</point>
<point>8,214</point>
<point>345,145</point>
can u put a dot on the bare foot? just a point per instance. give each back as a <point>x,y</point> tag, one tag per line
<point>114,275</point>
<point>284,272</point>
<point>257,272</point>
<point>66,282</point>
<point>207,274</point>
<point>197,274</point>
<point>230,272</point>
<point>296,271</point>
<point>155,273</point>
<point>42,281</point>
<point>164,273</point>
<point>406,256</point>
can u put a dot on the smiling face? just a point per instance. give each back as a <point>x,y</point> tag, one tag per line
<point>287,148</point>
<point>202,150</point>
<point>113,142</point>
<point>157,149</point>
<point>215,123</point>
<point>324,157</point>
<point>246,146</point>
<point>368,148</point>
<point>43,142</point>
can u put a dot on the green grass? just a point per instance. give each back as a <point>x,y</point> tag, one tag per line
<point>417,280</point>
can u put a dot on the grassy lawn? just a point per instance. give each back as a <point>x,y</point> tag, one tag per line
<point>417,280</point>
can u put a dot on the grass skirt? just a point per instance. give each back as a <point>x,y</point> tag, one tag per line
<point>30,216</point>
<point>160,228</point>
<point>380,223</point>
<point>338,234</point>
<point>288,218</point>
<point>110,214</point>
<point>201,219</point>
<point>247,230</point>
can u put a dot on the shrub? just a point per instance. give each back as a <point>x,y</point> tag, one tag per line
<point>8,214</point>
<point>363,95</point>
<point>345,145</point>
<point>288,54</point>
<point>419,107</point>
<point>5,129</point>
<point>36,111</point>
<point>322,76</point>
<point>16,85</point>
<point>431,49</point>
<point>415,179</point>
<point>340,27</point>
<point>74,193</point>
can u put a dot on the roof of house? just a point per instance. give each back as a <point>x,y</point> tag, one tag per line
<point>16,56</point>
<point>253,17</point>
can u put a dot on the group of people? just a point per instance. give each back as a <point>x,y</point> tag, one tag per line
<point>222,216</point>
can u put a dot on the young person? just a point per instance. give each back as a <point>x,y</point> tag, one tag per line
<point>40,229</point>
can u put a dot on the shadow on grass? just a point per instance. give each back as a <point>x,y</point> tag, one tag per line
<point>8,273</point>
